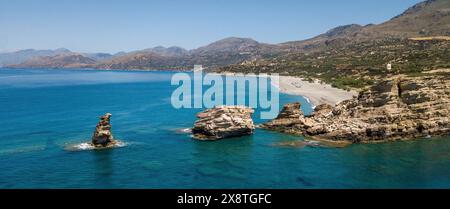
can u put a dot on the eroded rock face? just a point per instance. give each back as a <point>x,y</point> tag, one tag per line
<point>400,108</point>
<point>223,122</point>
<point>102,136</point>
<point>290,117</point>
<point>291,111</point>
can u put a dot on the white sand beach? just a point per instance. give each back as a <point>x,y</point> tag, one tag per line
<point>315,92</point>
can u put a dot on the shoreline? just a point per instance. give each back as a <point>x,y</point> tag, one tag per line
<point>315,93</point>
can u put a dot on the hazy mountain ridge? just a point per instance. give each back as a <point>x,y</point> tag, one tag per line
<point>70,60</point>
<point>220,53</point>
<point>11,58</point>
<point>235,44</point>
<point>98,56</point>
<point>163,51</point>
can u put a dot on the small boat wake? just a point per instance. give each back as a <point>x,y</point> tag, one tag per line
<point>89,146</point>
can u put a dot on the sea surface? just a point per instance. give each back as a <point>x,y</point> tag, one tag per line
<point>44,113</point>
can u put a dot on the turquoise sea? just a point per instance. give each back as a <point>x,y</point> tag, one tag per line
<point>44,111</point>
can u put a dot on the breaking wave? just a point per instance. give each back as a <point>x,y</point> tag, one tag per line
<point>88,146</point>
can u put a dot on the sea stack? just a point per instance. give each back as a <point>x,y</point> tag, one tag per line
<point>102,136</point>
<point>224,122</point>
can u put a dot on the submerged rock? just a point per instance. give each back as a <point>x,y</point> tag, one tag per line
<point>395,109</point>
<point>103,136</point>
<point>223,122</point>
<point>312,143</point>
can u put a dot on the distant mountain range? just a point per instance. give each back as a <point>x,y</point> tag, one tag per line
<point>31,55</point>
<point>220,53</point>
<point>426,19</point>
<point>23,55</point>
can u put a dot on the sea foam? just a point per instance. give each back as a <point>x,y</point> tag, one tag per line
<point>88,146</point>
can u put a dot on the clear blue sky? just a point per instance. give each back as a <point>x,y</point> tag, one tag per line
<point>125,25</point>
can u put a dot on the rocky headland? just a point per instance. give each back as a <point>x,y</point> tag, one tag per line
<point>223,122</point>
<point>399,108</point>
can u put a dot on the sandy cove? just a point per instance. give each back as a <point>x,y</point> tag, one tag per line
<point>316,92</point>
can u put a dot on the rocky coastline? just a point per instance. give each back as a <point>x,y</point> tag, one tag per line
<point>399,108</point>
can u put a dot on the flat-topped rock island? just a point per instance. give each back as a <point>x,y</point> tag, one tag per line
<point>223,122</point>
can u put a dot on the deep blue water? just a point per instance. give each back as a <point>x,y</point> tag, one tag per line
<point>42,112</point>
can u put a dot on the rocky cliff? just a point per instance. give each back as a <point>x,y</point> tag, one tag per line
<point>396,109</point>
<point>223,122</point>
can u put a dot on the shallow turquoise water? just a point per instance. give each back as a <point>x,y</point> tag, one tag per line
<point>45,111</point>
